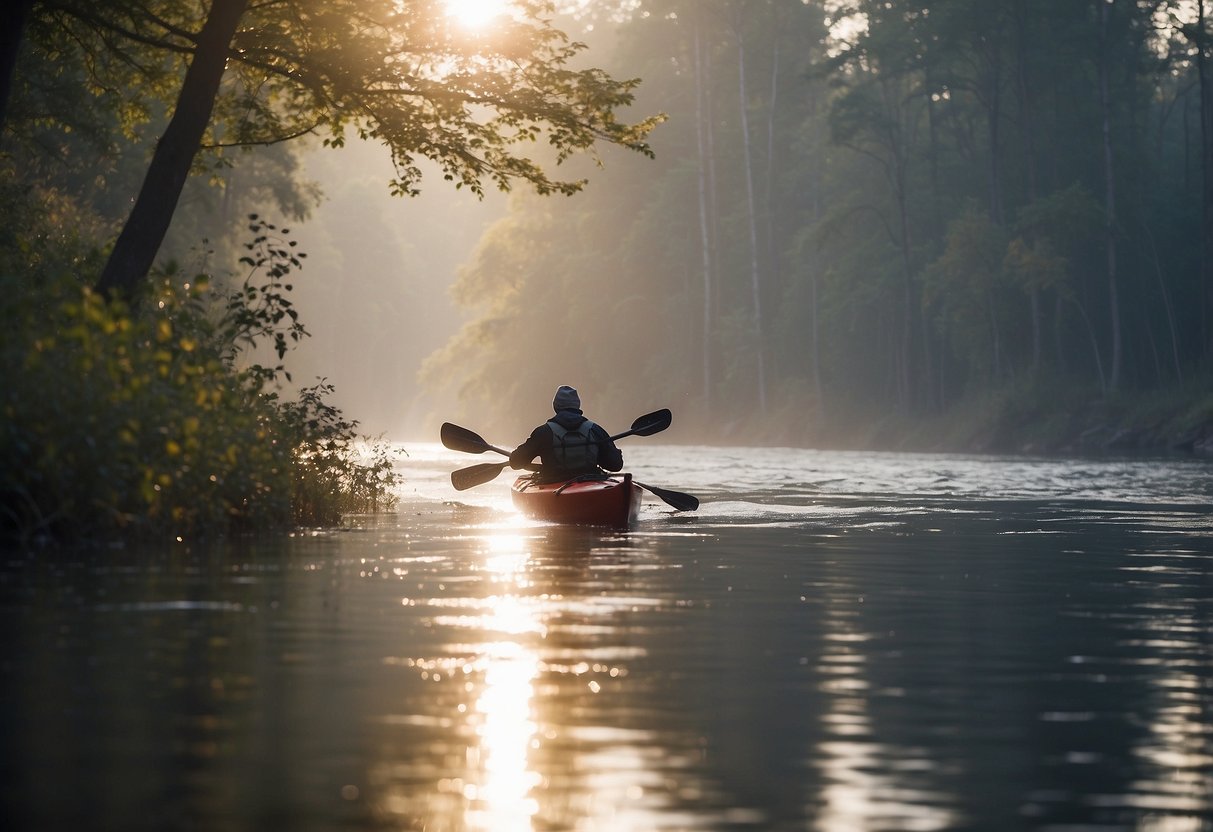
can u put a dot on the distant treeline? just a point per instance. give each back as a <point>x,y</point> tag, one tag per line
<point>883,208</point>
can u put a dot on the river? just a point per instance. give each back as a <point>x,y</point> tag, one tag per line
<point>834,641</point>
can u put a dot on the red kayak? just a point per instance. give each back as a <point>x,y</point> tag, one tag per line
<point>609,501</point>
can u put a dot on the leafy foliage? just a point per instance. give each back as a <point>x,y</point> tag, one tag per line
<point>334,473</point>
<point>145,424</point>
<point>402,74</point>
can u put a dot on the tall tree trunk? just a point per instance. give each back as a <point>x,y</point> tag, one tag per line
<point>755,276</point>
<point>13,17</point>
<point>1027,124</point>
<point>1095,350</point>
<point>815,189</point>
<point>897,173</point>
<point>713,185</point>
<point>773,279</point>
<point>932,344</point>
<point>994,124</point>
<point>702,128</point>
<point>1201,40</point>
<point>906,375</point>
<point>938,225</point>
<point>996,360</point>
<point>139,241</point>
<point>1105,106</point>
<point>1168,307</point>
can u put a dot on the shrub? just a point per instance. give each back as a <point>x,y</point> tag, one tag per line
<point>118,422</point>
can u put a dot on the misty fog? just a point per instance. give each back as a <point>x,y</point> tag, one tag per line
<point>786,269</point>
<point>374,291</point>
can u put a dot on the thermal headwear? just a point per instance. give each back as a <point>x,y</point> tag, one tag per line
<point>566,399</point>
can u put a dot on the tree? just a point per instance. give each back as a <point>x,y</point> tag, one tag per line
<point>705,193</point>
<point>878,116</point>
<point>141,236</point>
<point>935,198</point>
<point>401,74</point>
<point>747,162</point>
<point>963,284</point>
<point>1191,20</point>
<point>1109,174</point>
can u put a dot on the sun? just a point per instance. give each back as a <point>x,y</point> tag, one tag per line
<point>476,14</point>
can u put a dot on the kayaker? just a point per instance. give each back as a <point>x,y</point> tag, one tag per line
<point>568,445</point>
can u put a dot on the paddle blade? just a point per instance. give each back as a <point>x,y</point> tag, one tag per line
<point>475,475</point>
<point>651,423</point>
<point>462,439</point>
<point>678,499</point>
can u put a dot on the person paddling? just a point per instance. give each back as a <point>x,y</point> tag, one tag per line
<point>568,445</point>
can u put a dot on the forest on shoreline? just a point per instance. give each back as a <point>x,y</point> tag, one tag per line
<point>958,225</point>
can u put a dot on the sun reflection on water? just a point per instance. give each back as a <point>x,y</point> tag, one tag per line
<point>501,798</point>
<point>507,557</point>
<point>501,778</point>
<point>521,728</point>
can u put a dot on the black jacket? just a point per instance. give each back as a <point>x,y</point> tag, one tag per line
<point>539,444</point>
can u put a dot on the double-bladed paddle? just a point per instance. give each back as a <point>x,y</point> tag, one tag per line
<point>461,439</point>
<point>470,442</point>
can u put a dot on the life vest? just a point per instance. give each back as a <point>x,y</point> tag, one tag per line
<point>574,450</point>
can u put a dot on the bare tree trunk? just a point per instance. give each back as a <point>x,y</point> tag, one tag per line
<point>1105,104</point>
<point>702,128</point>
<point>755,277</point>
<point>141,236</point>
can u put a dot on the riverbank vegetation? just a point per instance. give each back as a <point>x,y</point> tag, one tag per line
<point>950,224</point>
<point>160,421</point>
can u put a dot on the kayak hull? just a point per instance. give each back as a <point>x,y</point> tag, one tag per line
<point>606,502</point>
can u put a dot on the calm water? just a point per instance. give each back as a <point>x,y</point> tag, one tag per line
<point>834,642</point>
